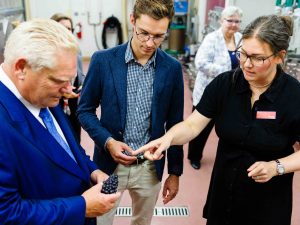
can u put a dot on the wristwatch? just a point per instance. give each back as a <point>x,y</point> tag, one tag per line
<point>280,168</point>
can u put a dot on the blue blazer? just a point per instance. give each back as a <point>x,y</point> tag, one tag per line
<point>39,182</point>
<point>106,85</point>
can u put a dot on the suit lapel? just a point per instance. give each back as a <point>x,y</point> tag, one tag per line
<point>41,138</point>
<point>36,135</point>
<point>74,146</point>
<point>159,83</point>
<point>119,74</point>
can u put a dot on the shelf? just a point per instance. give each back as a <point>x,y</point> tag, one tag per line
<point>294,56</point>
<point>11,11</point>
<point>180,14</point>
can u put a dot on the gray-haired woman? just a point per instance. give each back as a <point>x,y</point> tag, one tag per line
<point>215,55</point>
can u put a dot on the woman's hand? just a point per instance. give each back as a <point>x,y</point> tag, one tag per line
<point>70,95</point>
<point>70,92</point>
<point>297,146</point>
<point>262,172</point>
<point>154,149</point>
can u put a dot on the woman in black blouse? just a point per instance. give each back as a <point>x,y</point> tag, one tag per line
<point>257,114</point>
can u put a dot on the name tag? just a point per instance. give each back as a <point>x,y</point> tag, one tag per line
<point>269,115</point>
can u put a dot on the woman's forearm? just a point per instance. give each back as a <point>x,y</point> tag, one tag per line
<point>187,130</point>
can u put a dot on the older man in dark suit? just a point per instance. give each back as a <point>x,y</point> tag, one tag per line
<point>45,175</point>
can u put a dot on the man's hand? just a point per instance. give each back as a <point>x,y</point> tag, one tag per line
<point>171,188</point>
<point>98,176</point>
<point>97,203</point>
<point>116,149</point>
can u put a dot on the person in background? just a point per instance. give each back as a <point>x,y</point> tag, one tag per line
<point>67,22</point>
<point>257,119</point>
<point>69,102</point>
<point>215,55</point>
<point>45,174</point>
<point>140,91</point>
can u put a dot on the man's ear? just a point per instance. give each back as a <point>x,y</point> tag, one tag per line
<point>20,67</point>
<point>132,20</point>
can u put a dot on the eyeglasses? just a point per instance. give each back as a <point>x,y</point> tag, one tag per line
<point>233,21</point>
<point>70,29</point>
<point>255,60</point>
<point>145,36</point>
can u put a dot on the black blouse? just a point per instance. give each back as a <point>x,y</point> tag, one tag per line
<point>267,131</point>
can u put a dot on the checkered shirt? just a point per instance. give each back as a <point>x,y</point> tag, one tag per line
<point>139,99</point>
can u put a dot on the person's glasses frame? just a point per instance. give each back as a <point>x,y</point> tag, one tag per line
<point>144,37</point>
<point>257,61</point>
<point>70,29</point>
<point>233,21</point>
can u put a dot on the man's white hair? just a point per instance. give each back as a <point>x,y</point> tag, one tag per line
<point>38,41</point>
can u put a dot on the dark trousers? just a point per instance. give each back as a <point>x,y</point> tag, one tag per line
<point>196,145</point>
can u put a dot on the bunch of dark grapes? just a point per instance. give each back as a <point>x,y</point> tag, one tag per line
<point>110,185</point>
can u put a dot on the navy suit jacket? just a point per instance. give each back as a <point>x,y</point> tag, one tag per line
<point>106,85</point>
<point>39,182</point>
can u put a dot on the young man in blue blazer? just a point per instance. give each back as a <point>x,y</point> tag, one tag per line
<point>46,177</point>
<point>139,89</point>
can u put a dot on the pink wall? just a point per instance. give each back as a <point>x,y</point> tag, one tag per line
<point>211,4</point>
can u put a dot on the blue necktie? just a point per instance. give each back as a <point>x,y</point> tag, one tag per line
<point>49,123</point>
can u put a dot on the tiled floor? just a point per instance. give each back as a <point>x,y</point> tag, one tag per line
<point>193,184</point>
